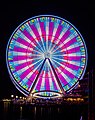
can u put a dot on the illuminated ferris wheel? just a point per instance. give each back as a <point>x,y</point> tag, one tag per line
<point>46,56</point>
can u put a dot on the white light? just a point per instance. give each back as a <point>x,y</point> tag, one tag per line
<point>12,96</point>
<point>16,96</point>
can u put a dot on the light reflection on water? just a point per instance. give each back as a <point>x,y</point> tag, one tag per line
<point>5,110</point>
<point>20,112</point>
<point>9,111</point>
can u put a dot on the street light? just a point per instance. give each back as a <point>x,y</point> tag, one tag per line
<point>12,96</point>
<point>16,96</point>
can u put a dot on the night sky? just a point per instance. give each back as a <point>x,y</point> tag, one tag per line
<point>80,14</point>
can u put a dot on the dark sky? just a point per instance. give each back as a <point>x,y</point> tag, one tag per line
<point>80,14</point>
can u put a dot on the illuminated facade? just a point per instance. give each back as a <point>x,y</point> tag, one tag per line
<point>46,56</point>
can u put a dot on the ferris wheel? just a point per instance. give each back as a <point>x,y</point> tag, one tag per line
<point>46,56</point>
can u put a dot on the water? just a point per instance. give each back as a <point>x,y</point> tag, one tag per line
<point>9,111</point>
